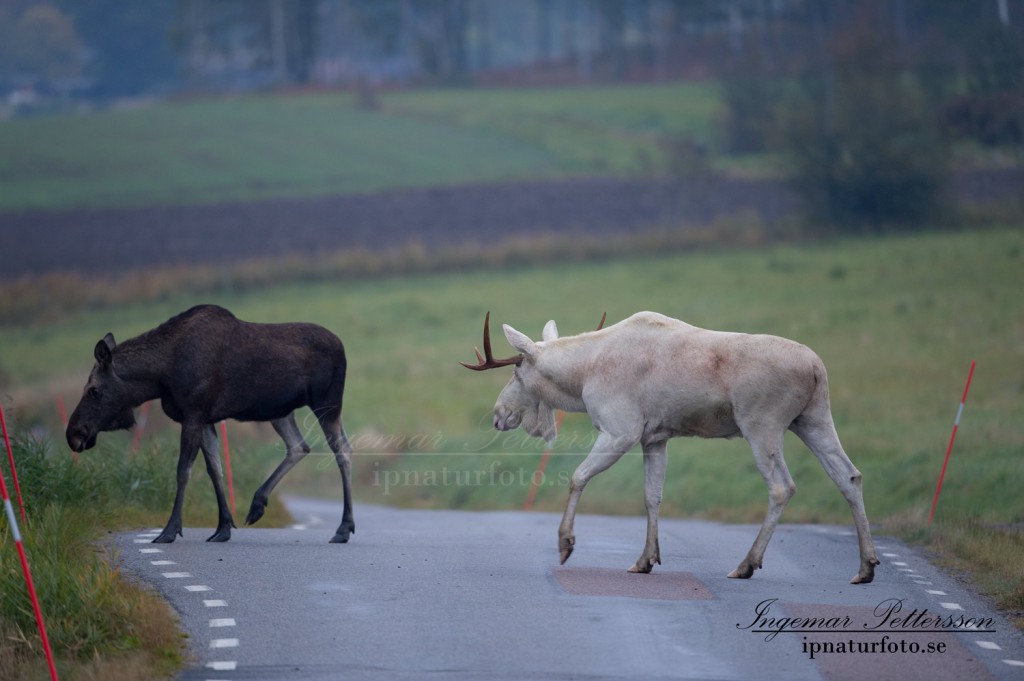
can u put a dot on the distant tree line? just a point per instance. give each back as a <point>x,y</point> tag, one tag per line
<point>118,48</point>
<point>868,97</point>
<point>864,96</point>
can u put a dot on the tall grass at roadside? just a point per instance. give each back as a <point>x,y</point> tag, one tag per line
<point>990,553</point>
<point>90,611</point>
<point>100,625</point>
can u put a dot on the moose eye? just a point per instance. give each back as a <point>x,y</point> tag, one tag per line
<point>93,392</point>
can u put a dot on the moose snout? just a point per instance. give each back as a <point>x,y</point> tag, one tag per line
<point>505,418</point>
<point>79,439</point>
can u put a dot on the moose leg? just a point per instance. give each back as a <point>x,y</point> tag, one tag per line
<point>295,450</point>
<point>334,429</point>
<point>211,454</point>
<point>191,437</point>
<point>655,460</point>
<point>607,450</point>
<point>822,439</point>
<point>767,449</point>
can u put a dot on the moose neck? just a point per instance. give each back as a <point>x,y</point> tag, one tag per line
<point>565,365</point>
<point>141,362</point>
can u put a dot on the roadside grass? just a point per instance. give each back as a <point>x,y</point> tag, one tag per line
<point>988,554</point>
<point>100,625</point>
<point>90,612</point>
<point>260,147</point>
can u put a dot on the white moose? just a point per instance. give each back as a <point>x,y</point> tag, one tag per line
<point>650,378</point>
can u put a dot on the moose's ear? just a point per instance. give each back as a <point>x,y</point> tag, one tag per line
<point>550,331</point>
<point>104,350</point>
<point>520,341</point>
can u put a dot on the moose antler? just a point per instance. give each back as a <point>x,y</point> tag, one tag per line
<point>488,361</point>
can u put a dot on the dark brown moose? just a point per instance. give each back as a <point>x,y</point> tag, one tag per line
<point>205,365</point>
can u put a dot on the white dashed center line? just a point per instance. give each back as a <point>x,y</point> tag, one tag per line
<point>903,567</point>
<point>215,623</point>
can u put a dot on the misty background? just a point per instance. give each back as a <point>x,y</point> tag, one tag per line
<point>816,117</point>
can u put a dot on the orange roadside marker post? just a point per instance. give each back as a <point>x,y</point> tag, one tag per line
<point>949,449</point>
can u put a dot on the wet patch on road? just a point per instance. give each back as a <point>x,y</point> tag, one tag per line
<point>660,585</point>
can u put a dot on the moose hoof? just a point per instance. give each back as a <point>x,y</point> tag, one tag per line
<point>166,537</point>
<point>744,571</point>
<point>255,513</point>
<point>866,574</point>
<point>565,547</point>
<point>220,535</point>
<point>343,534</point>
<point>643,567</point>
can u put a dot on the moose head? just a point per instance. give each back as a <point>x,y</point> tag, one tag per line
<point>106,402</point>
<point>530,397</point>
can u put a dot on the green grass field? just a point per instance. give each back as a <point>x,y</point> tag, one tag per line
<point>248,148</point>
<point>897,321</point>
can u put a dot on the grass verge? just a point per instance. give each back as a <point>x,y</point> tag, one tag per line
<point>986,555</point>
<point>100,624</point>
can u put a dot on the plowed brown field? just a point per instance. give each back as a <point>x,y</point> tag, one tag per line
<point>119,240</point>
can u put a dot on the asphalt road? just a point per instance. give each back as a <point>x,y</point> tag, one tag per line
<point>463,595</point>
